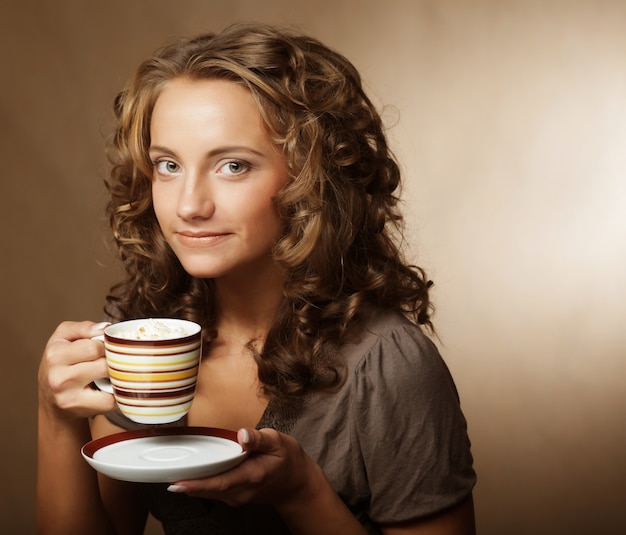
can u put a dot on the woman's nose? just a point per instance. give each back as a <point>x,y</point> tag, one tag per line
<point>195,199</point>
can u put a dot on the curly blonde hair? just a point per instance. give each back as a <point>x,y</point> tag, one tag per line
<point>341,247</point>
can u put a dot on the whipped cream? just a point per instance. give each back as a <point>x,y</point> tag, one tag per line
<point>152,329</point>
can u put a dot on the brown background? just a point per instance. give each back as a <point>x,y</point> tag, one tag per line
<point>510,120</point>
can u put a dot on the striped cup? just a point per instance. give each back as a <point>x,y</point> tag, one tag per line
<point>153,367</point>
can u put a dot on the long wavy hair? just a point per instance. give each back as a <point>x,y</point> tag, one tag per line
<point>342,242</point>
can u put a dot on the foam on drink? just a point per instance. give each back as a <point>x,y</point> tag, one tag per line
<point>152,329</point>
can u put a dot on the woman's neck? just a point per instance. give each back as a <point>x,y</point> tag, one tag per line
<point>247,306</point>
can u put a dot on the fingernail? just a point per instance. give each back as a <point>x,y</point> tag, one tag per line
<point>245,436</point>
<point>100,326</point>
<point>177,488</point>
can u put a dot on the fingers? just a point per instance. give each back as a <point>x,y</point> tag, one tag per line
<point>213,486</point>
<point>71,362</point>
<point>238,484</point>
<point>71,343</point>
<point>273,471</point>
<point>70,331</point>
<point>80,402</point>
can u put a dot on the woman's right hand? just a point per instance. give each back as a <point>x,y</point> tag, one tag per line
<point>70,363</point>
<point>69,496</point>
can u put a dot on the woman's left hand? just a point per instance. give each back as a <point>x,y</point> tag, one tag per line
<point>277,471</point>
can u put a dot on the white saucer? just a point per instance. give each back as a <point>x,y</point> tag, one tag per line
<point>165,455</point>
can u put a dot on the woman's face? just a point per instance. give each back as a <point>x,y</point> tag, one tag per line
<point>215,173</point>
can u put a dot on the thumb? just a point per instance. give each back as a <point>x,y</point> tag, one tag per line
<point>262,441</point>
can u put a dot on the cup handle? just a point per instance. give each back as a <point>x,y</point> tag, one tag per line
<point>104,383</point>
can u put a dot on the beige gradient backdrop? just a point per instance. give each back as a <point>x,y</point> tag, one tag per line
<point>509,118</point>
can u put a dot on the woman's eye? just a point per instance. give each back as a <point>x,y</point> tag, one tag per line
<point>234,168</point>
<point>166,167</point>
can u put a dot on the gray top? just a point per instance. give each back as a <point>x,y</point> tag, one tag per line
<point>392,441</point>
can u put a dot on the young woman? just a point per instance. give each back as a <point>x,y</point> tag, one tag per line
<point>252,190</point>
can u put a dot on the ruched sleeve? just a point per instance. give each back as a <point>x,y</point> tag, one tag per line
<point>411,433</point>
<point>393,440</point>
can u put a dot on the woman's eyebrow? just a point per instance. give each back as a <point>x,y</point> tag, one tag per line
<point>160,148</point>
<point>212,153</point>
<point>233,148</point>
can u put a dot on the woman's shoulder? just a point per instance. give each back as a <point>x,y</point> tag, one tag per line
<point>378,320</point>
<point>389,335</point>
<point>394,355</point>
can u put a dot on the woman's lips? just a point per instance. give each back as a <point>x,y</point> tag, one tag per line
<point>200,239</point>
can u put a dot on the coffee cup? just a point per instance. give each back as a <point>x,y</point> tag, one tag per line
<point>153,367</point>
